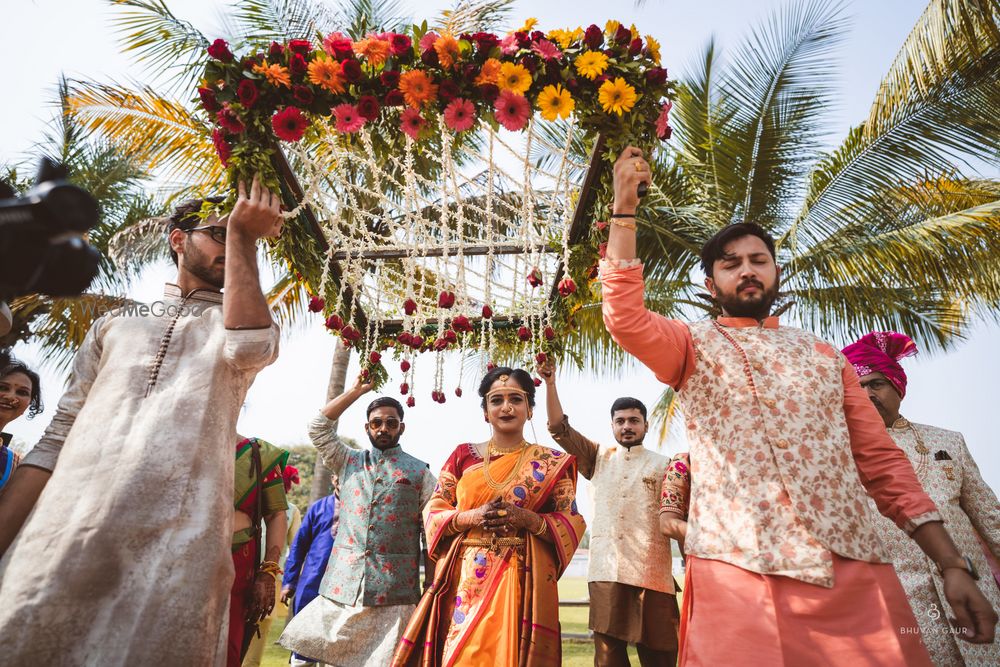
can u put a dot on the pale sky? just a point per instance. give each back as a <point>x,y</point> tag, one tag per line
<point>47,37</point>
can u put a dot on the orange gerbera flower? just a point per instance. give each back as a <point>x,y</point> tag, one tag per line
<point>275,74</point>
<point>489,72</point>
<point>375,51</point>
<point>447,50</point>
<point>417,88</point>
<point>327,74</point>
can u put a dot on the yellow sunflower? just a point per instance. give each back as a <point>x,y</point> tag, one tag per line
<point>616,96</point>
<point>555,102</point>
<point>591,64</point>
<point>515,77</point>
<point>653,47</point>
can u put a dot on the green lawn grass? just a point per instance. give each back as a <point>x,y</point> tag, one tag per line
<point>572,619</point>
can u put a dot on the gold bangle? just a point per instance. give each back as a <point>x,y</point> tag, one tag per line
<point>269,567</point>
<point>625,225</point>
<point>541,531</point>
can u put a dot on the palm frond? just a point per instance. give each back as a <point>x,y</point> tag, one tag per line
<point>288,300</point>
<point>262,21</point>
<point>171,49</point>
<point>467,16</point>
<point>357,18</point>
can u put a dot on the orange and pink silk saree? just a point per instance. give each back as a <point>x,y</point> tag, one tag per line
<point>495,606</point>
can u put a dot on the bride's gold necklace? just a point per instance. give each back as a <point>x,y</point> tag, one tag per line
<point>491,450</point>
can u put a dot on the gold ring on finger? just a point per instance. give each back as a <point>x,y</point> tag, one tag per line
<point>638,166</point>
<point>501,512</point>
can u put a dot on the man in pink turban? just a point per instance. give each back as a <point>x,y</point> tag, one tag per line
<point>950,477</point>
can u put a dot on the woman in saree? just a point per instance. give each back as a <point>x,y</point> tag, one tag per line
<point>502,526</point>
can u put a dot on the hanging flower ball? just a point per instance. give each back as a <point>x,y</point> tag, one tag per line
<point>410,402</point>
<point>374,357</point>
<point>458,392</point>
<point>404,365</point>
<point>334,323</point>
<point>316,304</point>
<point>535,277</point>
<point>404,389</point>
<point>461,323</point>
<point>487,313</point>
<point>549,333</point>
<point>541,357</point>
<point>566,287</point>
<point>524,333</point>
<point>409,306</point>
<point>446,299</point>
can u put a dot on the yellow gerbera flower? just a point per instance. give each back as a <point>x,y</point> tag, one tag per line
<point>611,27</point>
<point>653,47</point>
<point>591,64</point>
<point>528,25</point>
<point>275,74</point>
<point>555,102</point>
<point>561,37</point>
<point>616,96</point>
<point>514,76</point>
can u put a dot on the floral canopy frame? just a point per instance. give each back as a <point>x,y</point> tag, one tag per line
<point>436,184</point>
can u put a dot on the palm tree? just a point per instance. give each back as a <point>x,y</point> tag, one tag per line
<point>884,231</point>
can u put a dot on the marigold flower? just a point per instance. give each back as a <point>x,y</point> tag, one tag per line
<point>512,110</point>
<point>349,120</point>
<point>446,47</point>
<point>326,74</point>
<point>591,64</point>
<point>489,73</point>
<point>276,75</point>
<point>289,124</point>
<point>460,115</point>
<point>417,88</point>
<point>555,102</point>
<point>514,77</point>
<point>411,122</point>
<point>616,96</point>
<point>375,51</point>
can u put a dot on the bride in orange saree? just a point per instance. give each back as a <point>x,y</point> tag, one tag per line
<point>502,526</point>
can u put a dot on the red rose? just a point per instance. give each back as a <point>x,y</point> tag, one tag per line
<point>334,323</point>
<point>450,336</point>
<point>394,98</point>
<point>351,70</point>
<point>410,402</point>
<point>276,50</point>
<point>601,226</point>
<point>341,48</point>
<point>541,357</point>
<point>594,37</point>
<point>417,342</point>
<point>409,306</point>
<point>524,333</point>
<point>489,92</point>
<point>490,366</point>
<point>487,313</point>
<point>247,92</point>
<point>297,64</point>
<point>351,333</point>
<point>219,50</point>
<point>657,76</point>
<point>303,95</point>
<point>368,107</point>
<point>458,392</point>
<point>593,272</point>
<point>404,365</point>
<point>635,46</point>
<point>374,357</point>
<point>446,299</point>
<point>389,78</point>
<point>485,41</point>
<point>566,287</point>
<point>404,339</point>
<point>316,304</point>
<point>399,44</point>
<point>440,344</point>
<point>572,85</point>
<point>365,374</point>
<point>429,58</point>
<point>602,250</point>
<point>221,147</point>
<point>302,46</point>
<point>289,124</point>
<point>404,389</point>
<point>537,381</point>
<point>461,323</point>
<point>523,39</point>
<point>623,35</point>
<point>208,99</point>
<point>448,90</point>
<point>535,277</point>
<point>537,36</point>
<point>549,333</point>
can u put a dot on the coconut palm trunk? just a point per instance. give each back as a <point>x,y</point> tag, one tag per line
<point>321,484</point>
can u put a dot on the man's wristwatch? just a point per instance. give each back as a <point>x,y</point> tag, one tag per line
<point>961,562</point>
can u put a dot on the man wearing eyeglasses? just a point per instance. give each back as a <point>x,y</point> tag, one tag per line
<point>950,476</point>
<point>131,527</point>
<point>371,585</point>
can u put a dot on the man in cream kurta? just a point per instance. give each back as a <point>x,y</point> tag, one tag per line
<point>629,577</point>
<point>951,478</point>
<point>125,558</point>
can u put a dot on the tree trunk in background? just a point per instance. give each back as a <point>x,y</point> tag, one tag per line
<point>321,485</point>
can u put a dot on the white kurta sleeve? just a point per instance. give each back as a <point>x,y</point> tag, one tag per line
<point>333,450</point>
<point>252,349</point>
<point>85,367</point>
<point>979,502</point>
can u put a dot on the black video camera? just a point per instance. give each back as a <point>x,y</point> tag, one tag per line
<point>42,248</point>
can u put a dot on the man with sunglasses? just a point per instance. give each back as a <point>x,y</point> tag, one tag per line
<point>131,526</point>
<point>949,475</point>
<point>371,585</point>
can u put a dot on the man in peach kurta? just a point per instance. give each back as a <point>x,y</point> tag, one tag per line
<point>784,445</point>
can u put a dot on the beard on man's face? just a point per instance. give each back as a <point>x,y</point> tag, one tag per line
<point>386,441</point>
<point>198,263</point>
<point>757,306</point>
